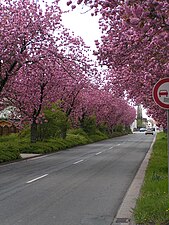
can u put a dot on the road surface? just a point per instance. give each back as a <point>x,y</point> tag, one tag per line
<point>84,185</point>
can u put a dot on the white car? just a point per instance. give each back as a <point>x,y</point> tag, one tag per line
<point>143,129</point>
<point>149,131</point>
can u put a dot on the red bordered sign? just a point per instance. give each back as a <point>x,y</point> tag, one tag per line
<point>161,93</point>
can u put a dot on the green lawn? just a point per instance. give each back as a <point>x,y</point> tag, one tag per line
<point>153,204</point>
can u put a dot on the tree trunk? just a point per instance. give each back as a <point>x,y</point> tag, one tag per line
<point>63,133</point>
<point>33,132</point>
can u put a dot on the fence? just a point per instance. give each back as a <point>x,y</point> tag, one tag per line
<point>7,127</point>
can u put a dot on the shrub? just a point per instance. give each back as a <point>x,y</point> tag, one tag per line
<point>9,148</point>
<point>98,136</point>
<point>88,124</point>
<point>78,139</point>
<point>56,125</point>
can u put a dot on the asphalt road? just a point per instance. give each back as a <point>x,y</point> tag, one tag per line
<point>81,186</point>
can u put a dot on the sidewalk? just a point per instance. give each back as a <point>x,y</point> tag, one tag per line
<point>28,156</point>
<point>125,213</point>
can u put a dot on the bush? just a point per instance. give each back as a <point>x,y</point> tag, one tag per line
<point>88,124</point>
<point>78,139</point>
<point>21,143</point>
<point>98,136</point>
<point>56,125</point>
<point>79,131</point>
<point>119,128</point>
<point>9,148</point>
<point>103,129</point>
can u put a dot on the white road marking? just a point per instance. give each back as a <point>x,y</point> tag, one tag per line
<point>78,161</point>
<point>114,146</point>
<point>98,153</point>
<point>37,178</point>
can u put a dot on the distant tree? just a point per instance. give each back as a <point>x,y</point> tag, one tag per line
<point>106,108</point>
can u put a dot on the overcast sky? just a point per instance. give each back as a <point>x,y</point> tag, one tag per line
<point>82,24</point>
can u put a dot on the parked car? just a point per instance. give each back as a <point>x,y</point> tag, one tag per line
<point>149,131</point>
<point>143,129</point>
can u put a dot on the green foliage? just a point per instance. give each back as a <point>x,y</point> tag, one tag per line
<point>98,136</point>
<point>52,145</point>
<point>79,131</point>
<point>103,128</point>
<point>78,139</point>
<point>89,124</point>
<point>56,125</point>
<point>128,130</point>
<point>153,203</point>
<point>119,128</point>
<point>25,132</point>
<point>9,148</point>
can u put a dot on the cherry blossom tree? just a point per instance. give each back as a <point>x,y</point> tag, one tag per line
<point>30,94</point>
<point>104,106</point>
<point>26,30</point>
<point>53,79</point>
<point>38,57</point>
<point>42,63</point>
<point>134,45</point>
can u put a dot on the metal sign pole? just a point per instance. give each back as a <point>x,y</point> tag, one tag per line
<point>168,144</point>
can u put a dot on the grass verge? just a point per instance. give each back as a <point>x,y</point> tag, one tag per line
<point>152,206</point>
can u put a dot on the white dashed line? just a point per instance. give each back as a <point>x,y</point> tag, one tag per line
<point>37,178</point>
<point>114,146</point>
<point>78,161</point>
<point>98,153</point>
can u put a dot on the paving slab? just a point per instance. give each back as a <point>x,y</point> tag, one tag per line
<point>28,155</point>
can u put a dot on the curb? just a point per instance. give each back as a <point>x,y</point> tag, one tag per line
<point>124,215</point>
<point>29,156</point>
<point>23,157</point>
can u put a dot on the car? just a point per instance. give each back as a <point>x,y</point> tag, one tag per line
<point>149,131</point>
<point>143,129</point>
<point>163,93</point>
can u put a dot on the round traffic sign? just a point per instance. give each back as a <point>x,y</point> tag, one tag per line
<point>161,93</point>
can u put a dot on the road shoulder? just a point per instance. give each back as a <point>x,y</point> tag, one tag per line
<point>125,213</point>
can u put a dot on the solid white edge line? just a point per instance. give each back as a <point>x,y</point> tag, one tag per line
<point>37,178</point>
<point>38,157</point>
<point>78,161</point>
<point>98,153</point>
